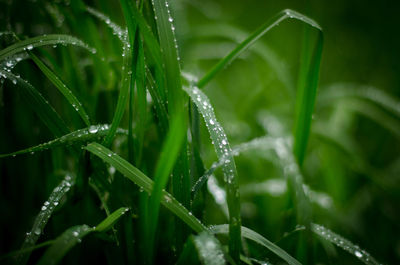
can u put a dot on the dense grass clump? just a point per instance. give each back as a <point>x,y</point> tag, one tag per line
<point>111,153</point>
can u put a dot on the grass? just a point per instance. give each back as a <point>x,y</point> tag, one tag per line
<point>116,130</point>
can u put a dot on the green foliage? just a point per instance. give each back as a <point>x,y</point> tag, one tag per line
<point>129,132</point>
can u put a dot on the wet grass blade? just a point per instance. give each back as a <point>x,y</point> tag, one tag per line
<point>64,243</point>
<point>117,30</point>
<point>75,103</point>
<point>40,105</point>
<point>107,223</point>
<point>344,244</point>
<point>244,45</point>
<point>140,179</point>
<point>44,215</point>
<point>77,137</point>
<point>254,236</point>
<point>74,235</point>
<point>223,150</point>
<point>39,41</point>
<point>127,75</point>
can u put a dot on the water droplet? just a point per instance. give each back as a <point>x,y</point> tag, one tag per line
<point>37,231</point>
<point>358,254</point>
<point>75,233</point>
<point>93,129</point>
<point>29,47</point>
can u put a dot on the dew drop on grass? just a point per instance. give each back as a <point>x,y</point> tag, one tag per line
<point>29,47</point>
<point>37,231</point>
<point>93,129</point>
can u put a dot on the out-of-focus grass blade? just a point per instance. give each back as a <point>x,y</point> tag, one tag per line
<point>223,150</point>
<point>169,154</point>
<point>75,103</point>
<point>209,249</point>
<point>254,236</point>
<point>345,91</point>
<point>262,30</point>
<point>80,136</point>
<point>140,179</point>
<point>107,223</point>
<point>44,215</point>
<point>343,243</point>
<point>42,108</point>
<point>53,39</point>
<point>64,243</point>
<point>74,235</point>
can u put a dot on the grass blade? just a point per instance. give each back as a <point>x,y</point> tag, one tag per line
<point>42,108</point>
<point>343,243</point>
<point>244,45</point>
<point>117,30</point>
<point>44,215</point>
<point>64,243</point>
<point>169,154</point>
<point>140,179</point>
<point>223,150</point>
<point>74,235</point>
<point>75,103</point>
<point>39,41</point>
<point>107,223</point>
<point>80,136</point>
<point>254,236</point>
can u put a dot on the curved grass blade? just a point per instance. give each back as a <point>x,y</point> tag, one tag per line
<point>261,49</point>
<point>52,39</point>
<point>117,30</point>
<point>80,136</point>
<point>254,236</point>
<point>244,45</point>
<point>343,243</point>
<point>347,90</point>
<point>42,108</point>
<point>74,235</point>
<point>44,215</point>
<point>209,249</point>
<point>75,103</point>
<point>107,223</point>
<point>223,150</point>
<point>140,179</point>
<point>17,253</point>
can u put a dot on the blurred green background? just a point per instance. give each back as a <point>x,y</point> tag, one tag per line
<point>357,188</point>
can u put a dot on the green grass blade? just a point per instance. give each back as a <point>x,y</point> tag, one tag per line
<point>347,90</point>
<point>75,103</point>
<point>254,236</point>
<point>40,105</point>
<point>168,45</point>
<point>64,243</point>
<point>244,45</point>
<point>306,95</point>
<point>209,249</point>
<point>39,41</point>
<point>20,252</point>
<point>74,235</point>
<point>223,150</point>
<point>166,162</point>
<point>140,179</point>
<point>117,30</point>
<point>44,215</point>
<point>77,137</point>
<point>107,223</point>
<point>343,243</point>
<point>127,76</point>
